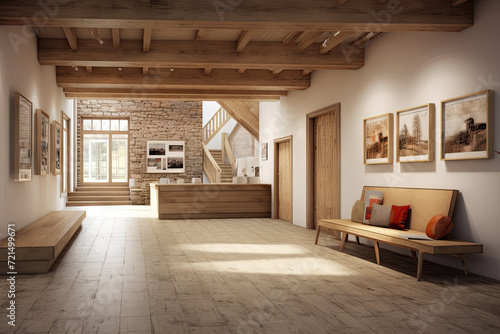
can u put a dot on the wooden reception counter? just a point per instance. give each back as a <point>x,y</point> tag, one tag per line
<point>208,200</point>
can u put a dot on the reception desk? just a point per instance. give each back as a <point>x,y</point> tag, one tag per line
<point>208,200</point>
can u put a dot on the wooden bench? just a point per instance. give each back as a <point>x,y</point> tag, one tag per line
<point>38,245</point>
<point>424,204</point>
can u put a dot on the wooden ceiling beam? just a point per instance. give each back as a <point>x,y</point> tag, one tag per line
<point>133,78</point>
<point>292,37</point>
<point>200,34</point>
<point>326,15</point>
<point>245,37</point>
<point>335,40</point>
<point>116,37</point>
<point>188,54</point>
<point>146,41</point>
<point>307,38</point>
<point>178,94</point>
<point>456,3</point>
<point>71,37</point>
<point>145,70</point>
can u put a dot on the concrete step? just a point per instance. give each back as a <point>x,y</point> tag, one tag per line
<point>96,203</point>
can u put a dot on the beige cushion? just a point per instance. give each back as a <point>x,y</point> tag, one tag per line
<point>357,211</point>
<point>381,215</point>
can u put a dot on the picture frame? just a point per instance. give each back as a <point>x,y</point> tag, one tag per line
<point>415,128</point>
<point>56,151</point>
<point>467,127</point>
<point>264,154</point>
<point>164,156</point>
<point>42,142</point>
<point>378,139</point>
<point>23,139</point>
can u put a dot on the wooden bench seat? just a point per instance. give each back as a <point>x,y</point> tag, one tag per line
<point>424,203</point>
<point>40,243</point>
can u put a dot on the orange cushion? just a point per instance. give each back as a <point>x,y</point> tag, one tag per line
<point>439,227</point>
<point>399,214</point>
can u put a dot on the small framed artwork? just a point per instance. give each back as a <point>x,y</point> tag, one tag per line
<point>414,137</point>
<point>264,151</point>
<point>165,156</point>
<point>23,139</point>
<point>42,142</point>
<point>378,140</point>
<point>56,148</point>
<point>467,127</point>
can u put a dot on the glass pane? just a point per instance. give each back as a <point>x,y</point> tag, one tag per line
<point>96,124</point>
<point>119,160</point>
<point>124,125</point>
<point>87,124</point>
<point>105,125</point>
<point>115,125</point>
<point>95,160</point>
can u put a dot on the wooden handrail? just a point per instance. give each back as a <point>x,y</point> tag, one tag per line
<point>213,126</point>
<point>210,167</point>
<point>226,150</point>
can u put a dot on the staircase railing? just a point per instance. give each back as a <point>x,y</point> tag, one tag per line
<point>214,125</point>
<point>210,167</point>
<point>226,150</point>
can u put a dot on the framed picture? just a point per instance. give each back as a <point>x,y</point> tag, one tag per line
<point>23,139</point>
<point>467,127</point>
<point>264,151</point>
<point>414,137</point>
<point>377,141</point>
<point>42,142</point>
<point>165,156</point>
<point>56,138</point>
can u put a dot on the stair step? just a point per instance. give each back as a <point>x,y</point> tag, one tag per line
<point>99,198</point>
<point>103,188</point>
<point>96,203</point>
<point>98,193</point>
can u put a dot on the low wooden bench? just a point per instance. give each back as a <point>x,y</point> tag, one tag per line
<point>424,204</point>
<point>38,245</point>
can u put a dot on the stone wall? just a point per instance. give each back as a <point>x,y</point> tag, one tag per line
<point>242,143</point>
<point>153,120</point>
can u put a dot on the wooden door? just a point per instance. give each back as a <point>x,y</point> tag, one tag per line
<point>283,179</point>
<point>323,156</point>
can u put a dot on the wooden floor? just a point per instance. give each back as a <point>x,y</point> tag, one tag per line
<point>126,272</point>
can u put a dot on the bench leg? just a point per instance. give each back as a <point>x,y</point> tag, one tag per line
<point>317,235</point>
<point>420,265</point>
<point>344,240</point>
<point>414,255</point>
<point>462,257</point>
<point>357,240</point>
<point>377,251</point>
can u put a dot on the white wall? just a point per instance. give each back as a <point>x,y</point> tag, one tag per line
<point>404,70</point>
<point>22,203</point>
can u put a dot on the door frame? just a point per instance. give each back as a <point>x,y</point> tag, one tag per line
<point>276,176</point>
<point>110,136</point>
<point>334,108</point>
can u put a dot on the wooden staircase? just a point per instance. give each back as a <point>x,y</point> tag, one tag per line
<point>226,170</point>
<point>99,195</point>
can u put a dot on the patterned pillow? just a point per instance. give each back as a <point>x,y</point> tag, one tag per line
<point>399,215</point>
<point>371,197</point>
<point>381,215</point>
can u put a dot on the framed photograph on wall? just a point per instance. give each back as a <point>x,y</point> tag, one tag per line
<point>23,139</point>
<point>264,151</point>
<point>56,138</point>
<point>467,127</point>
<point>165,156</point>
<point>42,142</point>
<point>377,139</point>
<point>415,131</point>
